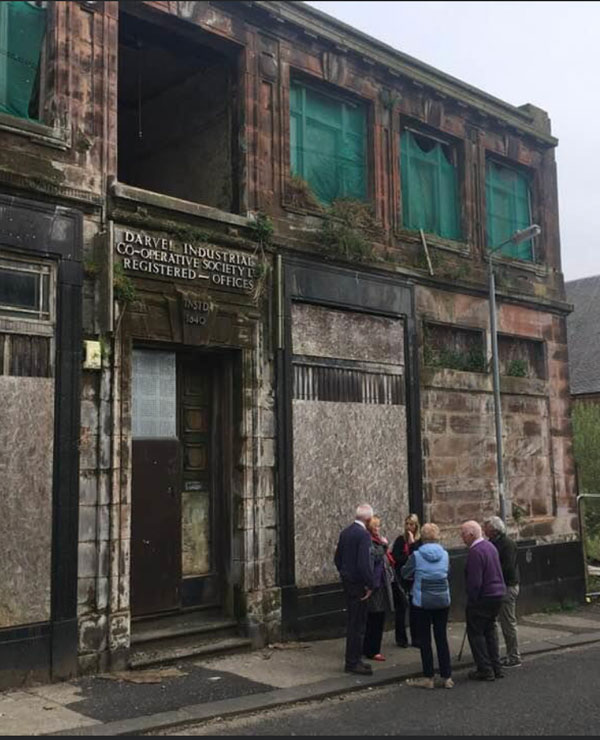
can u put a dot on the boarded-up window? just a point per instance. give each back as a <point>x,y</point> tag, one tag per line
<point>454,348</point>
<point>521,358</point>
<point>26,356</point>
<point>328,143</point>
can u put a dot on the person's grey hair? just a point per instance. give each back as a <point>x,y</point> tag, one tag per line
<point>496,524</point>
<point>471,527</point>
<point>430,532</point>
<point>364,512</point>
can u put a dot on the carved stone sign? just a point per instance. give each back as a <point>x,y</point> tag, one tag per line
<point>152,256</point>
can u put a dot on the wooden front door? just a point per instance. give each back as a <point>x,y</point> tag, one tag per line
<point>155,490</point>
<point>203,457</point>
<point>179,461</point>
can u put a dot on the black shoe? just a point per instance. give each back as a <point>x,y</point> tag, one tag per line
<point>480,676</point>
<point>402,644</point>
<point>361,668</point>
<point>511,662</point>
<point>499,674</point>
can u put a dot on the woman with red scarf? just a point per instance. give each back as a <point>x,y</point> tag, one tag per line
<point>381,599</point>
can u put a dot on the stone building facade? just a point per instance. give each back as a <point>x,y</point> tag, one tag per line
<point>207,362</point>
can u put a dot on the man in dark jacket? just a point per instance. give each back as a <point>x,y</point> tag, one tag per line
<point>353,561</point>
<point>495,531</point>
<point>485,590</point>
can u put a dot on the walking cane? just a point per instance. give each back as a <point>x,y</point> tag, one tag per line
<point>462,647</point>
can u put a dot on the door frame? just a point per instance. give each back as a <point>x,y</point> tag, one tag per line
<point>228,360</point>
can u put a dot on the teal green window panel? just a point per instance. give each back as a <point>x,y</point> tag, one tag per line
<point>328,144</point>
<point>508,209</point>
<point>429,187</point>
<point>22,28</point>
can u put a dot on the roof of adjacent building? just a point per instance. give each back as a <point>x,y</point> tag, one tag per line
<point>583,332</point>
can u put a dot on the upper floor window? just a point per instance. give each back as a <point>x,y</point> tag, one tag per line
<point>429,177</point>
<point>328,143</point>
<point>508,208</point>
<point>22,31</point>
<point>177,111</point>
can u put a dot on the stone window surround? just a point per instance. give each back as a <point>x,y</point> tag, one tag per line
<point>56,135</point>
<point>326,87</point>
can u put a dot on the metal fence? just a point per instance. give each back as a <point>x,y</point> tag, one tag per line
<point>588,506</point>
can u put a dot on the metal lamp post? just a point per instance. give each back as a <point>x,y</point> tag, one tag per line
<point>518,237</point>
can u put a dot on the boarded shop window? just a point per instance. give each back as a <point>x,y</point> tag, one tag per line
<point>453,348</point>
<point>521,358</point>
<point>429,177</point>
<point>26,356</point>
<point>508,208</point>
<point>328,143</point>
<point>22,31</point>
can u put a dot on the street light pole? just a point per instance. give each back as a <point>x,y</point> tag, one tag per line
<point>516,238</point>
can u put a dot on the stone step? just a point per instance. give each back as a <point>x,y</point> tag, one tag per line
<point>158,631</point>
<point>142,657</point>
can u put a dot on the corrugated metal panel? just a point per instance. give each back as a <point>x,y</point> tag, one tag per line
<point>315,383</point>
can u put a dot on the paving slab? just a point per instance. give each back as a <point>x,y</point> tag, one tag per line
<point>22,713</point>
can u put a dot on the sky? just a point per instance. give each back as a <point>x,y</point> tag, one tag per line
<point>545,53</point>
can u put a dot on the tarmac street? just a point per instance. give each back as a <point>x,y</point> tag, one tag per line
<point>192,693</point>
<point>553,694</point>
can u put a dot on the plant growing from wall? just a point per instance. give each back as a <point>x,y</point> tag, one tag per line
<point>468,359</point>
<point>348,230</point>
<point>123,288</point>
<point>91,269</point>
<point>262,230</point>
<point>517,368</point>
<point>299,194</point>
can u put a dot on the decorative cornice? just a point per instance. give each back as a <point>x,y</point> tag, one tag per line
<point>396,63</point>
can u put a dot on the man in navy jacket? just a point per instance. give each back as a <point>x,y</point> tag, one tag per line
<point>353,561</point>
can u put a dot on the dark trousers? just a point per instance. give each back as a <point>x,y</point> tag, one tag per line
<point>482,634</point>
<point>373,633</point>
<point>401,602</point>
<point>424,620</point>
<point>356,615</point>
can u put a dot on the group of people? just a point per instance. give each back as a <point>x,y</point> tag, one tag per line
<point>413,576</point>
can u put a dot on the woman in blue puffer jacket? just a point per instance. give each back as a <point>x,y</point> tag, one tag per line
<point>428,566</point>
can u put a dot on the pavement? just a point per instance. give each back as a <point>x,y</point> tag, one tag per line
<point>196,691</point>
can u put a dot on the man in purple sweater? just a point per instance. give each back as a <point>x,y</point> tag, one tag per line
<point>485,589</point>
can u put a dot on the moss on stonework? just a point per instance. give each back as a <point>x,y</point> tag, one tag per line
<point>142,219</point>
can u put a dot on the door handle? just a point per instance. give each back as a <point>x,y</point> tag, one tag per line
<point>146,542</point>
<point>171,490</point>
